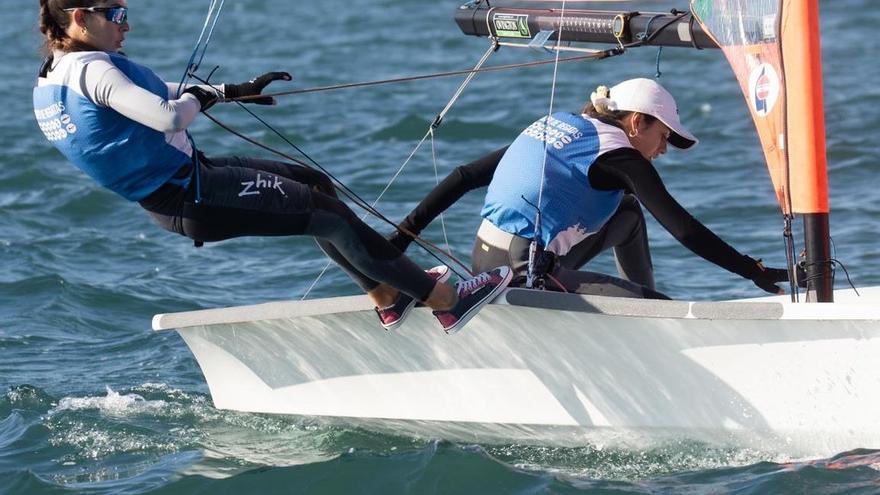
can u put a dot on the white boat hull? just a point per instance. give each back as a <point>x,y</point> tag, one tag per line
<point>559,369</point>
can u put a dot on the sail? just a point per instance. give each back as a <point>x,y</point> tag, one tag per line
<point>773,48</point>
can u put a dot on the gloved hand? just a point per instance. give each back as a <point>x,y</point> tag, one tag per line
<point>206,98</point>
<point>255,87</point>
<point>767,278</point>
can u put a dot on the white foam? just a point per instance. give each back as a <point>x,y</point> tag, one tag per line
<point>112,404</point>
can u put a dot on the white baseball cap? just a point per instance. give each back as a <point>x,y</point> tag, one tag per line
<point>649,97</point>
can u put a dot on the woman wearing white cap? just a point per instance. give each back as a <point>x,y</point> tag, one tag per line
<point>596,168</point>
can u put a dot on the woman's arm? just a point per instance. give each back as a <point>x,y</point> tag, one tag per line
<point>463,179</point>
<point>110,87</point>
<point>626,169</point>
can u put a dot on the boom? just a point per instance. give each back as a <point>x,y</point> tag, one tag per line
<point>478,18</point>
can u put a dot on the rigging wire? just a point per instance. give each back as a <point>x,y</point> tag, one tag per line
<point>428,246</point>
<point>340,187</point>
<point>679,15</point>
<point>437,183</point>
<point>533,246</point>
<point>788,213</point>
<point>202,43</point>
<point>202,46</point>
<point>598,54</point>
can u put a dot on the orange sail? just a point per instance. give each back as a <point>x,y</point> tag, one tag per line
<point>773,48</point>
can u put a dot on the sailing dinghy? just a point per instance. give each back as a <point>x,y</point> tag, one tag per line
<point>565,369</point>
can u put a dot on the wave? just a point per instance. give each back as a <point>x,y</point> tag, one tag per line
<point>157,437</point>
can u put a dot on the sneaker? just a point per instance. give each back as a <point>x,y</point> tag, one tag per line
<point>392,316</point>
<point>472,295</point>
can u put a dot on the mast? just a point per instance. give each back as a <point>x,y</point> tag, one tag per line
<point>806,141</point>
<point>773,47</point>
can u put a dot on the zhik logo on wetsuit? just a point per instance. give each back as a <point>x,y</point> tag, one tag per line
<point>252,187</point>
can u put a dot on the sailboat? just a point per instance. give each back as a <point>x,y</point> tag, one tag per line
<point>565,369</point>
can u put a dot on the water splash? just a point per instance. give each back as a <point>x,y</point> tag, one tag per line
<point>113,404</point>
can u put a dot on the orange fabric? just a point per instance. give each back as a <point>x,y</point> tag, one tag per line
<point>806,122</point>
<point>778,95</point>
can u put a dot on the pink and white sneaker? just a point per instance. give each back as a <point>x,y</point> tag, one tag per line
<point>392,316</point>
<point>473,293</point>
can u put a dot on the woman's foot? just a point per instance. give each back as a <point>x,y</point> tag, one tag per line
<point>392,316</point>
<point>473,294</point>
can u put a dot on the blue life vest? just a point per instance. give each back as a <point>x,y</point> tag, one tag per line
<point>122,155</point>
<point>571,209</point>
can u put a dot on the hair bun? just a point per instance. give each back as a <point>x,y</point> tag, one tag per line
<point>602,102</point>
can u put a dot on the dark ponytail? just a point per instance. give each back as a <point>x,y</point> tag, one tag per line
<point>54,22</point>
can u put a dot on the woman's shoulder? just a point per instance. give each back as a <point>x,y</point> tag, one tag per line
<point>610,136</point>
<point>67,61</point>
<point>67,68</point>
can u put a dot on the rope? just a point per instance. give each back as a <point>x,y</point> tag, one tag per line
<point>647,40</point>
<point>533,246</point>
<point>339,186</point>
<point>201,43</point>
<point>430,133</point>
<point>428,246</point>
<point>790,257</point>
<point>436,183</point>
<point>435,75</point>
<point>202,46</point>
<point>659,54</point>
<point>191,66</point>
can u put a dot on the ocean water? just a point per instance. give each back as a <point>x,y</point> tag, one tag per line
<point>93,401</point>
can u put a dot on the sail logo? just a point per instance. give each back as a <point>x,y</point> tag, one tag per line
<point>764,89</point>
<point>512,25</point>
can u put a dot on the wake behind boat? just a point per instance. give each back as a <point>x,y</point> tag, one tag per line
<point>565,369</point>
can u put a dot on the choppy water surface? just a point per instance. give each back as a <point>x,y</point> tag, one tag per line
<point>92,401</point>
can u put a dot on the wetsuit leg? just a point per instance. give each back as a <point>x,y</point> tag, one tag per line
<point>598,284</point>
<point>515,253</point>
<point>627,233</point>
<point>317,181</point>
<point>249,201</point>
<point>371,256</point>
<point>305,175</point>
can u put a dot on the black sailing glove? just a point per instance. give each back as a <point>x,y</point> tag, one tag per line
<point>767,278</point>
<point>206,98</point>
<point>255,87</point>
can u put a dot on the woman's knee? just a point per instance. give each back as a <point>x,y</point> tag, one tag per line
<point>629,216</point>
<point>331,204</point>
<point>320,182</point>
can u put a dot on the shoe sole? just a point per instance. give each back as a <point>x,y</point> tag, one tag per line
<point>409,307</point>
<point>454,329</point>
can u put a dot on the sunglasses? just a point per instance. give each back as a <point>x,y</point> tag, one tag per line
<point>116,15</point>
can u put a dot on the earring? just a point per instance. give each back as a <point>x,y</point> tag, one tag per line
<point>634,133</point>
<point>83,30</point>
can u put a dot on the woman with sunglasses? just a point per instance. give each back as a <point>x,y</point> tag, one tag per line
<point>125,127</point>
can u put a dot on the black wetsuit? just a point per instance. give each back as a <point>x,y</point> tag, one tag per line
<point>252,197</point>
